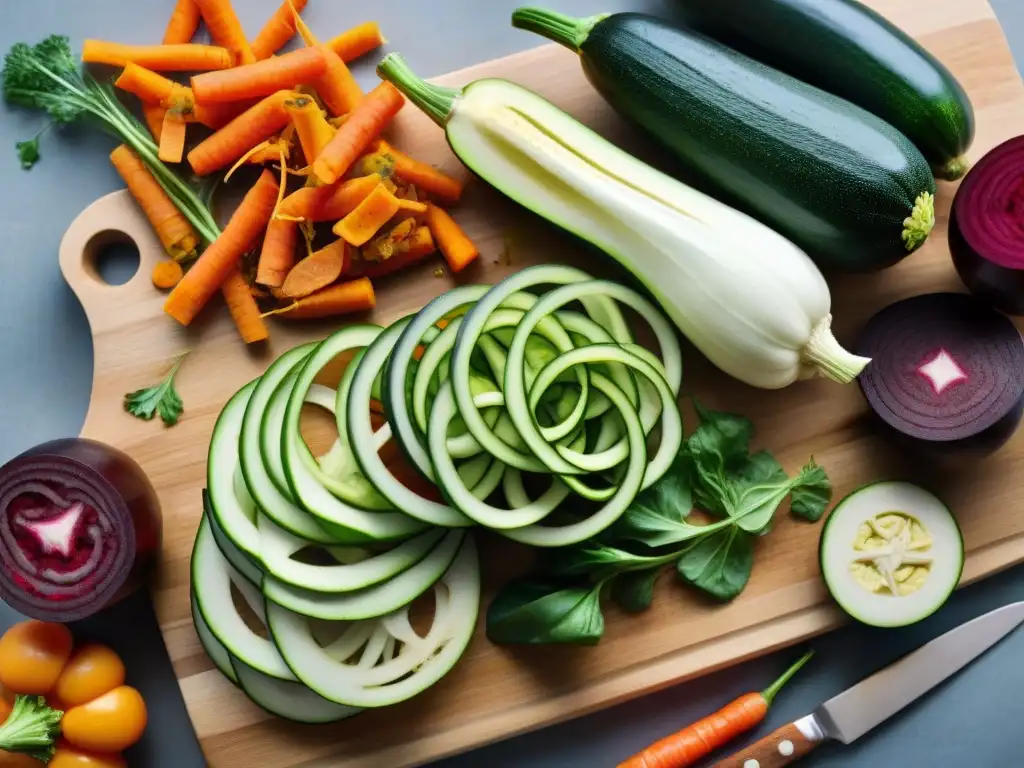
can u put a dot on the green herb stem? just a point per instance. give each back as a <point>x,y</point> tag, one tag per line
<point>32,728</point>
<point>436,101</point>
<point>558,27</point>
<point>769,693</point>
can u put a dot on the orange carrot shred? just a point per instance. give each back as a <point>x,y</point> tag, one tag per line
<point>183,23</point>
<point>240,135</point>
<point>173,230</point>
<point>162,58</point>
<point>316,271</point>
<point>167,274</point>
<point>363,125</point>
<point>426,177</point>
<point>459,251</point>
<point>226,29</point>
<point>243,308</point>
<point>341,299</point>
<point>207,275</point>
<point>279,29</point>
<point>172,137</point>
<point>358,41</point>
<point>278,254</point>
<point>261,78</point>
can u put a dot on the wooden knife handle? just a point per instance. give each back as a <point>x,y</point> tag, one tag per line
<point>782,747</point>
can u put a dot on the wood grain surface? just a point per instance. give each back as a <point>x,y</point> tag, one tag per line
<point>496,692</point>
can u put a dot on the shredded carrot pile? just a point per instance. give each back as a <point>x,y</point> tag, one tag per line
<point>336,206</point>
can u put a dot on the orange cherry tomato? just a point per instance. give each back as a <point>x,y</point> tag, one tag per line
<point>32,655</point>
<point>92,671</point>
<point>110,723</point>
<point>68,756</point>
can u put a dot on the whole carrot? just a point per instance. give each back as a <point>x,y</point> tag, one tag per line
<point>183,23</point>
<point>279,29</point>
<point>262,78</point>
<point>226,29</point>
<point>705,736</point>
<point>358,41</point>
<point>162,58</point>
<point>243,133</point>
<point>176,235</point>
<point>208,274</point>
<point>363,125</point>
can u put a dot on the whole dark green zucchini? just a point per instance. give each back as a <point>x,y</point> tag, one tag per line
<point>842,184</point>
<point>847,49</point>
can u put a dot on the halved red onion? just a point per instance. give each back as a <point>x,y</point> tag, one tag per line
<point>80,527</point>
<point>986,228</point>
<point>946,373</point>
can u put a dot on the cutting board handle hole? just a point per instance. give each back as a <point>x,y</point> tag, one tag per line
<point>111,257</point>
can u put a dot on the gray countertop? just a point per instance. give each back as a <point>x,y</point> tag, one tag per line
<point>47,370</point>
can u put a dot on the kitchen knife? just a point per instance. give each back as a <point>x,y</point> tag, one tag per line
<point>857,710</point>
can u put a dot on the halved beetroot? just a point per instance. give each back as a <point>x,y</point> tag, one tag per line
<point>79,527</point>
<point>946,373</point>
<point>986,228</point>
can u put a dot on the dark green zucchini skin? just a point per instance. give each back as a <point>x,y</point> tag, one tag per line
<point>830,176</point>
<point>847,49</point>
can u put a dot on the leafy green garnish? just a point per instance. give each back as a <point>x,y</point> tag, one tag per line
<point>160,399</point>
<point>31,728</point>
<point>46,77</point>
<point>531,612</point>
<point>714,472</point>
<point>28,151</point>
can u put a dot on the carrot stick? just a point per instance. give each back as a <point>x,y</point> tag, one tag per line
<point>329,202</point>
<point>425,177</point>
<point>216,116</point>
<point>226,30</point>
<point>162,58</point>
<point>368,217</point>
<point>363,125</point>
<point>154,116</point>
<point>167,274</point>
<point>696,741</point>
<point>279,29</point>
<point>172,137</point>
<point>357,41</point>
<point>262,78</point>
<point>344,298</point>
<point>240,135</point>
<point>316,271</point>
<point>278,254</point>
<point>310,124</point>
<point>173,230</point>
<point>243,308</point>
<point>145,83</point>
<point>411,251</point>
<point>457,248</point>
<point>183,23</point>
<point>337,87</point>
<point>208,274</point>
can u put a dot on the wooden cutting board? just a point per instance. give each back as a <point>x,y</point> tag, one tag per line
<point>496,692</point>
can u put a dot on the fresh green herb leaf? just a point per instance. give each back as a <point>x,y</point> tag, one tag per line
<point>720,563</point>
<point>811,492</point>
<point>598,562</point>
<point>31,728</point>
<point>633,591</point>
<point>160,399</point>
<point>719,448</point>
<point>534,612</point>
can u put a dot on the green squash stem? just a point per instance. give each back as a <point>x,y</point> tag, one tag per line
<point>918,225</point>
<point>769,693</point>
<point>435,100</point>
<point>952,170</point>
<point>562,29</point>
<point>828,357</point>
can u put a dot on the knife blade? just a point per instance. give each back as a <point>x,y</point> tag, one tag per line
<point>852,713</point>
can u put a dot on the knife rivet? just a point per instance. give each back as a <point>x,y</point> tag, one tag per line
<point>786,747</point>
<point>751,764</point>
